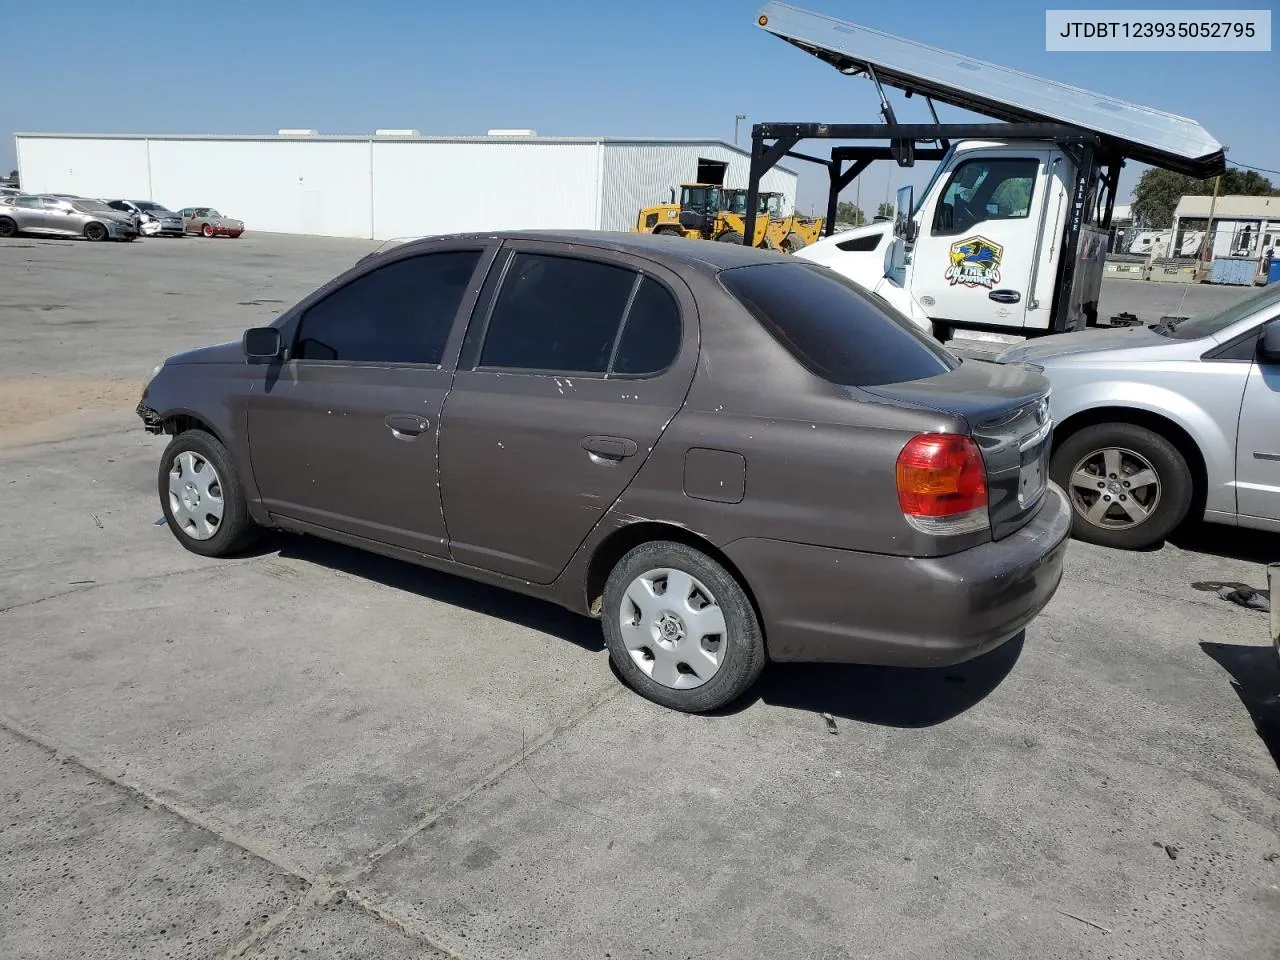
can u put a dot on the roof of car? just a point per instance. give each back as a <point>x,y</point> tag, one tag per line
<point>673,250</point>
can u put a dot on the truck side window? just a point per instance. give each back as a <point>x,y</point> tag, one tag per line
<point>987,188</point>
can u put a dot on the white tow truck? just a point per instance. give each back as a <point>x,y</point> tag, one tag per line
<point>1010,233</point>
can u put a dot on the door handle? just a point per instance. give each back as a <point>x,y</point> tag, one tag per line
<point>406,426</point>
<point>1005,296</point>
<point>609,448</point>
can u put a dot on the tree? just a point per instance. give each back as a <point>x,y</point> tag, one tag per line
<point>885,210</point>
<point>1158,191</point>
<point>847,212</point>
<point>13,177</point>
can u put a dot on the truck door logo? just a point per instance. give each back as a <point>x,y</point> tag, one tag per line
<point>975,262</point>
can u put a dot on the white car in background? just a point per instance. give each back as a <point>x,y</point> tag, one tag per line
<point>1155,425</point>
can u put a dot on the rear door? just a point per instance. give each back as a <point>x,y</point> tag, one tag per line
<point>1258,444</point>
<point>343,434</point>
<point>972,263</point>
<point>572,368</point>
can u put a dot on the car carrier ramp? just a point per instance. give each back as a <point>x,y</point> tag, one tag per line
<point>1141,133</point>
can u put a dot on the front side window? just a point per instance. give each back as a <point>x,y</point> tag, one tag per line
<point>400,313</point>
<point>557,314</point>
<point>987,188</point>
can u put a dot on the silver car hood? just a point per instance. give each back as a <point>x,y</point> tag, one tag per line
<point>1125,343</point>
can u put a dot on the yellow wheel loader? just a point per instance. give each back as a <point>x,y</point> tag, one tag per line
<point>701,214</point>
<point>788,232</point>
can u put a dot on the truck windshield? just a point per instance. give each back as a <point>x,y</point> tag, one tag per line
<point>838,331</point>
<point>1206,325</point>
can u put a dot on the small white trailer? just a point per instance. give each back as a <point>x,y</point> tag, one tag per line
<point>1010,234</point>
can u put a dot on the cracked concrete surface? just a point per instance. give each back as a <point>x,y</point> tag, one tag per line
<point>314,752</point>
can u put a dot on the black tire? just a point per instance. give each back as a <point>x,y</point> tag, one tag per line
<point>236,530</point>
<point>943,332</point>
<point>95,232</point>
<point>1168,504</point>
<point>792,243</point>
<point>730,236</point>
<point>8,228</point>
<point>668,232</point>
<point>741,645</point>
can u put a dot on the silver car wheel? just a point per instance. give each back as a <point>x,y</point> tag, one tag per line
<point>195,496</point>
<point>673,628</point>
<point>1115,488</point>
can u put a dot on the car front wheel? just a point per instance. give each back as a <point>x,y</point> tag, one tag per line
<point>201,496</point>
<point>680,629</point>
<point>1129,486</point>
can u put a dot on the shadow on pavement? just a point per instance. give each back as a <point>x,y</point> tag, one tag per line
<point>1232,543</point>
<point>886,696</point>
<point>1255,677</point>
<point>446,588</point>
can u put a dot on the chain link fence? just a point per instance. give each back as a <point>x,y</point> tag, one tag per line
<point>1232,252</point>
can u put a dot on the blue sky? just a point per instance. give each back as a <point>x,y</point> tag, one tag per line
<point>652,68</point>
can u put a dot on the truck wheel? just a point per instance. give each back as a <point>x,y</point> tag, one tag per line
<point>95,232</point>
<point>1129,486</point>
<point>680,629</point>
<point>730,236</point>
<point>201,496</point>
<point>8,228</point>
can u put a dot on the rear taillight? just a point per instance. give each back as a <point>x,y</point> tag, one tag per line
<point>942,484</point>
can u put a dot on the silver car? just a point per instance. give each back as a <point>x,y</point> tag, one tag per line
<point>64,217</point>
<point>153,219</point>
<point>1153,425</point>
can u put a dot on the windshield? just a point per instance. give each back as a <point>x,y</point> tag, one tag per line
<point>92,206</point>
<point>937,172</point>
<point>772,205</point>
<point>151,207</point>
<point>1205,325</point>
<point>694,198</point>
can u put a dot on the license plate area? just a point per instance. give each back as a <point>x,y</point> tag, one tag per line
<point>1033,472</point>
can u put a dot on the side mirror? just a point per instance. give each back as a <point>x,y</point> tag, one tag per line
<point>261,343</point>
<point>904,226</point>
<point>1269,343</point>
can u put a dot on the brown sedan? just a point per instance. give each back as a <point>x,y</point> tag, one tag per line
<point>725,454</point>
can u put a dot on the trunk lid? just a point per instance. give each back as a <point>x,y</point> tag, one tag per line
<point>1007,410</point>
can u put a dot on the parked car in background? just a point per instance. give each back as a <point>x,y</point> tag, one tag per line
<point>49,214</point>
<point>9,192</point>
<point>725,453</point>
<point>1156,424</point>
<point>153,219</point>
<point>208,222</point>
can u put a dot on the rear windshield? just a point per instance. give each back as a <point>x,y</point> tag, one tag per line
<point>838,331</point>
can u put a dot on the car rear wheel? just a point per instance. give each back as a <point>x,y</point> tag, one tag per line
<point>8,228</point>
<point>201,496</point>
<point>207,229</point>
<point>95,232</point>
<point>680,629</point>
<point>1129,486</point>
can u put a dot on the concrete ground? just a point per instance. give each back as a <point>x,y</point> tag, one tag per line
<point>316,752</point>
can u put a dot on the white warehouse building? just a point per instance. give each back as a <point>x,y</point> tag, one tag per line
<point>396,184</point>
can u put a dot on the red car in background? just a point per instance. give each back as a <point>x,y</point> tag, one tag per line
<point>208,222</point>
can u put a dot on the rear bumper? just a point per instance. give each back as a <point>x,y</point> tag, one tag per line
<point>842,606</point>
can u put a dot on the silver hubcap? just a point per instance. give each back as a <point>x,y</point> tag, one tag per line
<point>195,496</point>
<point>1115,488</point>
<point>673,628</point>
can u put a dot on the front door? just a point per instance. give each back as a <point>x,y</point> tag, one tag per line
<point>972,261</point>
<point>1258,444</point>
<point>343,434</point>
<point>561,392</point>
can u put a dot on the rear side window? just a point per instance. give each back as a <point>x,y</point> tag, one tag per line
<point>651,338</point>
<point>400,313</point>
<point>839,332</point>
<point>557,314</point>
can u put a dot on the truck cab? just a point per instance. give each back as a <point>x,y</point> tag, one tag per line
<point>981,247</point>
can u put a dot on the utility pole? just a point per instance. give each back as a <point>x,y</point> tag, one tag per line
<point>736,118</point>
<point>1206,255</point>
